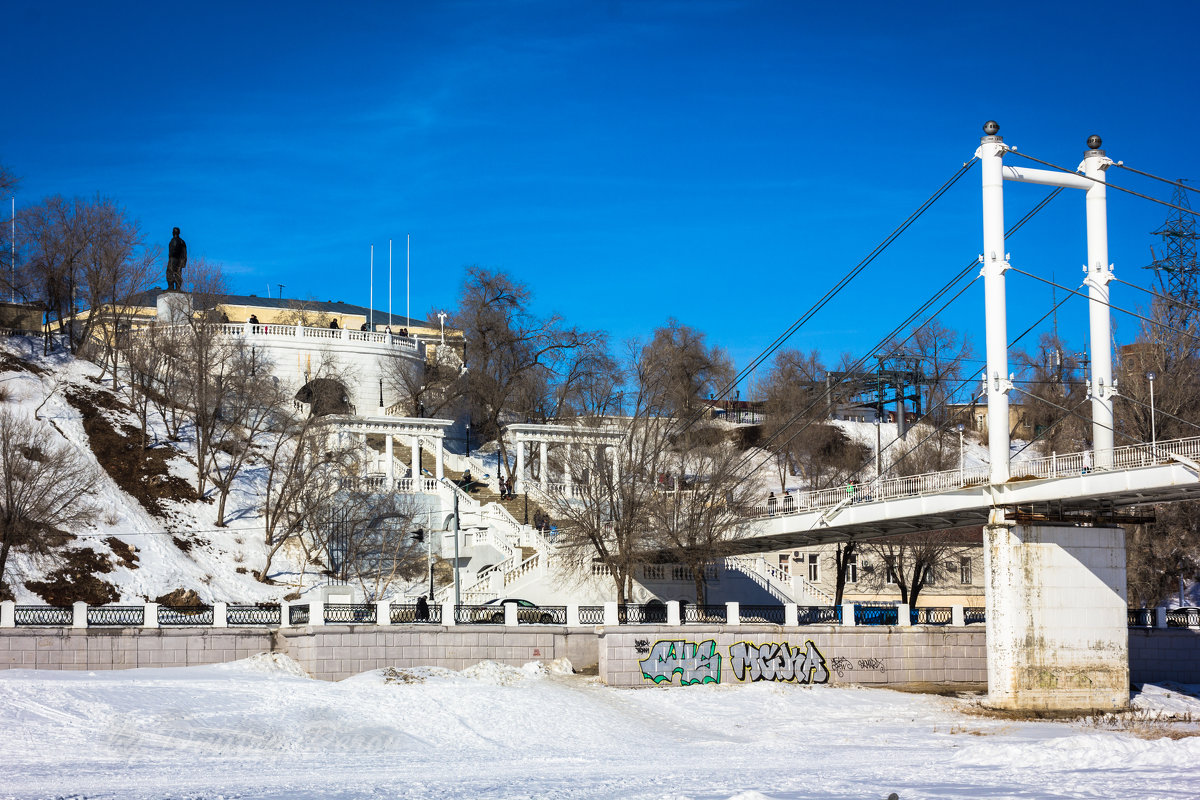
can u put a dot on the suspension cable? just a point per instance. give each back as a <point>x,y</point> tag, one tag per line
<point>1155,294</point>
<point>1109,305</point>
<point>1106,183</point>
<point>1158,411</point>
<point>895,331</point>
<point>1124,166</point>
<point>1085,419</point>
<point>838,287</point>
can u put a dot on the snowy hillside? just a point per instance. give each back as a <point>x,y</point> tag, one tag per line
<point>136,548</point>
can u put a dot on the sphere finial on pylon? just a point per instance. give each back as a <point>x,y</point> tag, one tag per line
<point>991,127</point>
<point>1094,142</point>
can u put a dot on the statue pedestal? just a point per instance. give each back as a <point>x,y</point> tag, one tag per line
<point>174,308</point>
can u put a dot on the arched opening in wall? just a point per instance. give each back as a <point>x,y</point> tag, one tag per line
<point>325,396</point>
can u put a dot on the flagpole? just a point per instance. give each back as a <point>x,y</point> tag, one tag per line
<point>371,294</point>
<point>407,279</point>
<point>389,325</point>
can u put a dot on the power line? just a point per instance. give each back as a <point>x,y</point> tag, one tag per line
<point>1158,296</point>
<point>1158,411</point>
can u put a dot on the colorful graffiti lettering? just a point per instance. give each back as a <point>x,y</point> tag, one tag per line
<point>695,663</point>
<point>778,662</point>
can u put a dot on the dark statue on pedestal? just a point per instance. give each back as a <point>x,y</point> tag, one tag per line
<point>176,261</point>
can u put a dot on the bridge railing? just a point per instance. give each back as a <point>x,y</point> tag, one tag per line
<point>1051,466</point>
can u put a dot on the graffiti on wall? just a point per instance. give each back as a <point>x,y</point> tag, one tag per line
<point>695,663</point>
<point>701,663</point>
<point>774,661</point>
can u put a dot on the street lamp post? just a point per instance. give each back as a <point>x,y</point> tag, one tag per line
<point>960,453</point>
<point>442,321</point>
<point>1153,429</point>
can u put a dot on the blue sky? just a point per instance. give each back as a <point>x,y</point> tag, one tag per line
<point>723,163</point>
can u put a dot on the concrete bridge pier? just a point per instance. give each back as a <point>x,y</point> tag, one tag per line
<point>1057,628</point>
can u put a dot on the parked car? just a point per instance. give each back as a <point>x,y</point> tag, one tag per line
<point>527,612</point>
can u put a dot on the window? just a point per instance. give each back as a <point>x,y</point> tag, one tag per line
<point>814,568</point>
<point>852,569</point>
<point>964,571</point>
<point>891,570</point>
<point>783,562</point>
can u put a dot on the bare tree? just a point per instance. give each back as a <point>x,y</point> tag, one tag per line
<point>1159,554</point>
<point>510,354</point>
<point>1054,395</point>
<point>426,388</point>
<point>794,402</point>
<point>43,486</point>
<point>371,541</point>
<point>305,314</point>
<point>916,560</point>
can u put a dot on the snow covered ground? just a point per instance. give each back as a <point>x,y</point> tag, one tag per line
<point>260,729</point>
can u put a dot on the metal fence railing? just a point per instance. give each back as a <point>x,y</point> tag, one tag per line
<point>642,614</point>
<point>542,615</point>
<point>865,614</point>
<point>1141,617</point>
<point>298,615</point>
<point>402,613</point>
<point>265,614</point>
<point>704,613</point>
<point>351,613</point>
<point>774,615</point>
<point>931,616</point>
<point>818,615</point>
<point>591,615</point>
<point>185,615</point>
<point>1183,618</point>
<point>470,615</point>
<point>110,616</point>
<point>44,615</point>
<point>974,616</point>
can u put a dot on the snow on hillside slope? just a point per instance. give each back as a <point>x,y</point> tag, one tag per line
<point>217,563</point>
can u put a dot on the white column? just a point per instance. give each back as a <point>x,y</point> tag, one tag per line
<point>79,614</point>
<point>150,616</point>
<point>791,615</point>
<point>448,613</point>
<point>573,615</point>
<point>220,615</point>
<point>733,613</point>
<point>1099,273</point>
<point>673,616</point>
<point>388,454</point>
<point>285,614</point>
<point>8,614</point>
<point>958,617</point>
<point>520,484</point>
<point>383,612</point>
<point>510,615</point>
<point>567,478</point>
<point>616,464</point>
<point>904,615</point>
<point>542,465</point>
<point>416,457</point>
<point>848,615</point>
<point>995,263</point>
<point>611,617</point>
<point>439,470</point>
<point>316,612</point>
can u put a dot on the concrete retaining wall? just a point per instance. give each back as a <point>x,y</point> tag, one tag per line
<point>1160,655</point>
<point>333,652</point>
<point>864,655</point>
<point>125,648</point>
<point>649,655</point>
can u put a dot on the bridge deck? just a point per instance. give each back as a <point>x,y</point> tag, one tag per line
<point>1138,475</point>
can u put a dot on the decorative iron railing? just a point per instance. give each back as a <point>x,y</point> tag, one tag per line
<point>1183,618</point>
<point>591,615</point>
<point>930,616</point>
<point>472,615</point>
<point>402,613</point>
<point>298,615</point>
<point>351,613</point>
<point>266,614</point>
<point>774,615</point>
<point>876,615</point>
<point>44,615</point>
<point>1141,617</point>
<point>974,616</point>
<point>705,613</point>
<point>185,615</point>
<point>818,615</point>
<point>650,613</point>
<point>103,616</point>
<point>542,615</point>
